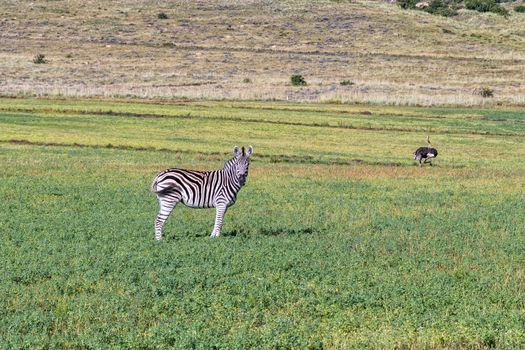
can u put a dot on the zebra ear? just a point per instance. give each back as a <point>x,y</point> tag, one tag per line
<point>249,151</point>
<point>236,151</point>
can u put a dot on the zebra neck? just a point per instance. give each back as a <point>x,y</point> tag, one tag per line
<point>230,176</point>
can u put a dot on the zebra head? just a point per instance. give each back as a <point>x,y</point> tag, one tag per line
<point>242,160</point>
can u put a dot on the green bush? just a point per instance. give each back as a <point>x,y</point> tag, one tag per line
<point>346,82</point>
<point>297,80</point>
<point>39,59</point>
<point>407,4</point>
<point>500,10</point>
<point>439,7</point>
<point>162,15</point>
<point>486,6</point>
<point>486,92</point>
<point>448,8</point>
<point>519,8</point>
<point>247,80</point>
<point>436,7</point>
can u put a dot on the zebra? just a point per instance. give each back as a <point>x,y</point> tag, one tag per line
<point>201,189</point>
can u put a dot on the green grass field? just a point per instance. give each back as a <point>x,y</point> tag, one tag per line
<point>337,241</point>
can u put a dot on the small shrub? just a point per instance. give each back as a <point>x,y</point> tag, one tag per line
<point>486,6</point>
<point>39,59</point>
<point>500,10</point>
<point>519,8</point>
<point>486,92</point>
<point>346,82</point>
<point>438,7</point>
<point>297,80</point>
<point>247,81</point>
<point>479,5</point>
<point>408,4</point>
<point>162,15</point>
<point>444,8</point>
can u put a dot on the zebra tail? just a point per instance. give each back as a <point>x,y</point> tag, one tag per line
<point>154,187</point>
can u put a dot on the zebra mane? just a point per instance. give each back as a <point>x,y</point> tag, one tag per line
<point>230,162</point>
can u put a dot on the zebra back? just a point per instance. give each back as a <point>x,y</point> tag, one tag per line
<point>201,189</point>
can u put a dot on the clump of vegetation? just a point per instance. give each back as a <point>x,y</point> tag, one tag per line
<point>407,4</point>
<point>486,6</point>
<point>247,81</point>
<point>162,15</point>
<point>519,8</point>
<point>439,7</point>
<point>486,92</point>
<point>449,8</point>
<point>39,59</point>
<point>346,82</point>
<point>298,80</point>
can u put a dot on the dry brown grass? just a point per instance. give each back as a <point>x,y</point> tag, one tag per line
<point>206,49</point>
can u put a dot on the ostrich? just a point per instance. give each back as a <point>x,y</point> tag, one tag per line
<point>426,153</point>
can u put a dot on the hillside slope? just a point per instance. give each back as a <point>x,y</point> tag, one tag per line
<point>211,49</point>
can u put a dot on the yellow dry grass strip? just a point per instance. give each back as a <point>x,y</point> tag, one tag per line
<point>206,50</point>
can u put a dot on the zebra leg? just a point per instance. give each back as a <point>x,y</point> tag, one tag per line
<point>167,201</point>
<point>219,216</point>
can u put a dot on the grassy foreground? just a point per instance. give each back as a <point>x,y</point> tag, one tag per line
<point>337,241</point>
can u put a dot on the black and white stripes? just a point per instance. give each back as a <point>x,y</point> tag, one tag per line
<point>201,189</point>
